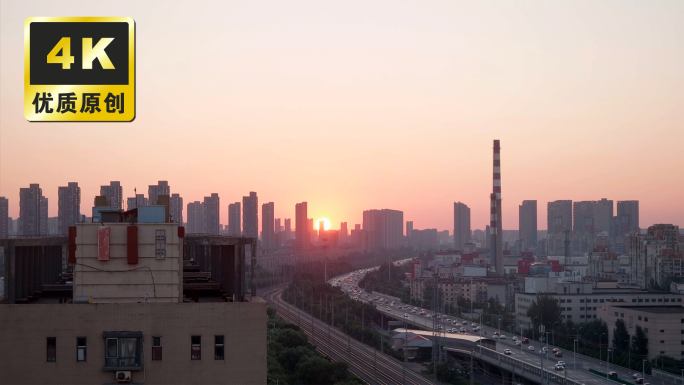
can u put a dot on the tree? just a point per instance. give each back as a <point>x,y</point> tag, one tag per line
<point>291,339</point>
<point>289,358</point>
<point>317,370</point>
<point>620,336</point>
<point>544,311</point>
<point>639,343</point>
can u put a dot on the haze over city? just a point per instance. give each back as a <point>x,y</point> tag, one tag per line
<point>374,105</point>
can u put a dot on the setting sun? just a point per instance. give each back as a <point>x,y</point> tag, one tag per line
<point>326,222</point>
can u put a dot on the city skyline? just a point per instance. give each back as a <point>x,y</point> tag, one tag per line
<point>584,98</point>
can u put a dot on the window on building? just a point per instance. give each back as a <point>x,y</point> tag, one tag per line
<point>639,318</point>
<point>581,301</point>
<point>122,350</point>
<point>648,300</point>
<point>633,299</point>
<point>616,313</point>
<point>662,331</point>
<point>645,330</point>
<point>594,316</point>
<point>660,300</point>
<point>562,301</point>
<point>52,349</point>
<point>595,300</point>
<point>667,300</point>
<point>569,301</point>
<point>81,349</point>
<point>218,348</point>
<point>622,314</point>
<point>662,341</point>
<point>569,316</point>
<point>160,244</point>
<point>662,352</point>
<point>679,300</point>
<point>645,319</point>
<point>156,349</point>
<point>196,347</point>
<point>641,300</point>
<point>581,315</point>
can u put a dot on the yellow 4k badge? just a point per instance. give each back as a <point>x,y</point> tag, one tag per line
<point>79,69</point>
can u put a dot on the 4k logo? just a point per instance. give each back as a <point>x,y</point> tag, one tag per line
<point>79,69</point>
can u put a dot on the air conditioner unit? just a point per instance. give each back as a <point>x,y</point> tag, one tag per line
<point>123,376</point>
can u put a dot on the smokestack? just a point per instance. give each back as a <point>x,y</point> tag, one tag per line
<point>497,193</point>
<point>492,231</point>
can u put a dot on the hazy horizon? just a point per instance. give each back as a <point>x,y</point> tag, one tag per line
<point>367,105</point>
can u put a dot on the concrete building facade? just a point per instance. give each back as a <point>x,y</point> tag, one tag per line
<point>234,219</point>
<point>69,207</point>
<point>268,226</point>
<point>176,208</point>
<point>250,215</point>
<point>195,223</point>
<point>302,237</point>
<point>558,216</point>
<point>211,210</point>
<point>154,191</point>
<point>461,225</point>
<point>114,194</point>
<point>4,217</point>
<point>385,226</point>
<point>30,200</point>
<point>527,222</point>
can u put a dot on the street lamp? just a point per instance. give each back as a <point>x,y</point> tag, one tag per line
<point>643,369</point>
<point>600,346</point>
<point>607,364</point>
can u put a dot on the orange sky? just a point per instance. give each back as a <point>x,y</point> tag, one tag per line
<point>383,104</point>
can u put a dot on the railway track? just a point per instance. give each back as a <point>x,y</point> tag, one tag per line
<point>360,357</point>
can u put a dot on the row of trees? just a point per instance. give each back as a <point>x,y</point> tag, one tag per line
<point>591,338</point>
<point>330,305</point>
<point>293,360</point>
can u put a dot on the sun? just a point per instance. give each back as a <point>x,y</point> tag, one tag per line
<point>326,223</point>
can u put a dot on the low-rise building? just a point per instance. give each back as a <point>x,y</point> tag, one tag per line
<point>581,301</point>
<point>145,303</point>
<point>663,326</point>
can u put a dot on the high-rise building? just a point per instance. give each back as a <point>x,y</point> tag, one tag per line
<point>656,256</point>
<point>386,227</point>
<point>344,233</point>
<point>558,216</point>
<point>69,207</point>
<point>44,228</point>
<point>154,191</point>
<point>29,210</point>
<point>288,229</point>
<point>211,210</point>
<point>527,225</point>
<point>250,215</point>
<point>4,217</point>
<point>195,217</point>
<point>113,193</point>
<point>301,226</point>
<point>409,228</point>
<point>234,221</point>
<point>592,217</point>
<point>627,217</point>
<point>268,226</point>
<point>461,225</point>
<point>176,208</point>
<point>138,201</point>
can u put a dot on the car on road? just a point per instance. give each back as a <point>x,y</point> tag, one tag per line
<point>544,350</point>
<point>406,315</point>
<point>450,330</point>
<point>496,334</point>
<point>561,363</point>
<point>503,337</point>
<point>473,324</point>
<point>514,338</point>
<point>517,343</point>
<point>530,348</point>
<point>639,380</point>
<point>526,341</point>
<point>507,352</point>
<point>559,367</point>
<point>558,353</point>
<point>636,375</point>
<point>429,316</point>
<point>463,330</point>
<point>612,374</point>
<point>465,323</point>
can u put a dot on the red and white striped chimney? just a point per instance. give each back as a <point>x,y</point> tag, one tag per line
<point>497,193</point>
<point>497,170</point>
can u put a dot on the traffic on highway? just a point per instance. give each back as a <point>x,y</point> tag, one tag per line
<point>533,352</point>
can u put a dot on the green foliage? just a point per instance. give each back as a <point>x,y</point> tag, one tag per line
<point>292,360</point>
<point>640,342</point>
<point>620,336</point>
<point>544,311</point>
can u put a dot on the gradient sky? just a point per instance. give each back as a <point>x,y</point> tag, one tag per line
<point>356,105</point>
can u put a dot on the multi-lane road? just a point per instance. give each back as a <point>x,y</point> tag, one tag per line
<point>369,364</point>
<point>426,321</point>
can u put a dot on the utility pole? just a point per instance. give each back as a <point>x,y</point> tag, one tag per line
<point>312,317</point>
<point>403,368</point>
<point>382,323</point>
<point>346,330</point>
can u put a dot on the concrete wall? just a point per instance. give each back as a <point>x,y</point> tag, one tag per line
<point>24,330</point>
<point>112,281</point>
